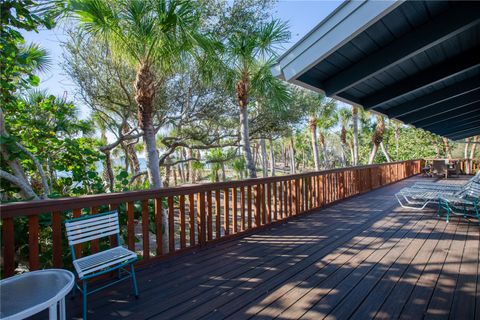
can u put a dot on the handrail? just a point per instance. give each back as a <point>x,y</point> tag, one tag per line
<point>34,206</point>
<point>190,216</point>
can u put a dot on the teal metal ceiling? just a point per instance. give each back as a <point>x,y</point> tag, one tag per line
<point>418,63</point>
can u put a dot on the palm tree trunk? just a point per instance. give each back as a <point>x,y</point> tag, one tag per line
<point>324,150</point>
<point>272,157</point>
<point>377,138</point>
<point>355,134</point>
<point>144,87</point>
<point>313,133</point>
<point>144,94</point>
<point>350,147</point>
<point>385,152</point>
<point>465,155</point>
<point>245,139</point>
<point>292,157</point>
<point>343,140</point>
<point>263,150</point>
<point>373,153</point>
<point>448,152</point>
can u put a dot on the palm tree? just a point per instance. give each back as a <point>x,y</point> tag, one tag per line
<point>153,36</point>
<point>249,50</point>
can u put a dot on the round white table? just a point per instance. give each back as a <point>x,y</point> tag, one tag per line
<point>29,293</point>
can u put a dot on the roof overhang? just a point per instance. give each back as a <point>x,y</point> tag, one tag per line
<point>415,61</point>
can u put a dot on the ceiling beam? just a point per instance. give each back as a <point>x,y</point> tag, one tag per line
<point>463,16</point>
<point>453,122</point>
<point>456,129</point>
<point>465,134</point>
<point>445,70</point>
<point>465,111</point>
<point>455,91</point>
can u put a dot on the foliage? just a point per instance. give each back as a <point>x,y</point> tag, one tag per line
<point>49,128</point>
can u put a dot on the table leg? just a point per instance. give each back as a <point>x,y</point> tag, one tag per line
<point>52,312</point>
<point>63,315</point>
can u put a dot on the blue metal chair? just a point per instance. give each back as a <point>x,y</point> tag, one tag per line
<point>92,227</point>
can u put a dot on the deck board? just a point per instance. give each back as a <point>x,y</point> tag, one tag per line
<point>359,259</point>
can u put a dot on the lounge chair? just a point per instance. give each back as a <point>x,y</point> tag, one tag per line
<point>450,186</point>
<point>466,205</point>
<point>418,198</point>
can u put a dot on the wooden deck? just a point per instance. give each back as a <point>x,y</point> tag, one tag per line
<point>362,258</point>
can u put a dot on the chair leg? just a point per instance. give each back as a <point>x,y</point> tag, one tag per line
<point>134,280</point>
<point>74,290</point>
<point>84,299</point>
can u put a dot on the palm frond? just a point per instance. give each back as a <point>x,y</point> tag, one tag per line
<point>37,57</point>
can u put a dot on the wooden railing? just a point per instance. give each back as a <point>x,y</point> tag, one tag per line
<point>193,215</point>
<point>469,166</point>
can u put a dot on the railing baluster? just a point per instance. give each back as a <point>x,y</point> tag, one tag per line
<point>131,226</point>
<point>218,212</point>
<point>288,198</point>
<point>226,212</point>
<point>263,205</point>
<point>191,217</point>
<point>57,239</point>
<point>242,208</point>
<point>257,205</point>
<point>158,224</point>
<point>8,247</point>
<point>145,230</point>
<point>33,254</point>
<point>249,206</point>
<point>269,203</point>
<point>183,236</point>
<point>171,224</point>
<point>201,219</point>
<point>275,201</point>
<point>209,215</point>
<point>77,248</point>
<point>234,210</point>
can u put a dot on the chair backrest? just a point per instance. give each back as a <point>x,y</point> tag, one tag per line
<point>92,227</point>
<point>439,166</point>
<point>472,190</point>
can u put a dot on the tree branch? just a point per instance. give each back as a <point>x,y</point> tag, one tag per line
<point>27,191</point>
<point>41,172</point>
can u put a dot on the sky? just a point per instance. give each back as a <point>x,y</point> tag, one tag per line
<point>301,15</point>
